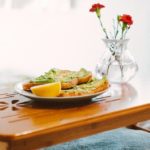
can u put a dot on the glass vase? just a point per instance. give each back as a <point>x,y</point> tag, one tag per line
<point>117,63</point>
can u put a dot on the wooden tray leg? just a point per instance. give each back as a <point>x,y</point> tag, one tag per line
<point>3,146</point>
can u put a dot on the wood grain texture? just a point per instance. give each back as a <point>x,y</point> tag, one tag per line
<point>3,145</point>
<point>26,124</point>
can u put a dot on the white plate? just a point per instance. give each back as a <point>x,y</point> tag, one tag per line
<point>19,89</point>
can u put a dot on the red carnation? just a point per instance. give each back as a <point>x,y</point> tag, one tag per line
<point>96,7</point>
<point>122,24</point>
<point>127,19</point>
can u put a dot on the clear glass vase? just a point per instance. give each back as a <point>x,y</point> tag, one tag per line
<point>117,63</point>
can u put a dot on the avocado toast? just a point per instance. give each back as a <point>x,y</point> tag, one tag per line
<point>91,87</point>
<point>68,79</point>
<point>73,83</point>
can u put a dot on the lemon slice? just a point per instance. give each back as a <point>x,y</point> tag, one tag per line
<point>47,90</point>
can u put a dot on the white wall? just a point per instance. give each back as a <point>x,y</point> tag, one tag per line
<point>36,35</point>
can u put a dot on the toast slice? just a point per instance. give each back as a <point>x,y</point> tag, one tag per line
<point>94,86</point>
<point>27,86</point>
<point>48,77</point>
<point>84,76</point>
<point>68,79</point>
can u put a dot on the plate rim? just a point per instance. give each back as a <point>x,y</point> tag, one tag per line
<point>18,88</point>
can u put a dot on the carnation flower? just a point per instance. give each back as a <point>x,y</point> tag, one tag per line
<point>127,19</point>
<point>123,22</point>
<point>96,8</point>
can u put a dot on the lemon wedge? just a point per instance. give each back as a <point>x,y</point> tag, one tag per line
<point>47,90</point>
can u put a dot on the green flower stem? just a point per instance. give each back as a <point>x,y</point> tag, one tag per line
<point>117,30</point>
<point>124,27</point>
<point>110,62</point>
<point>119,62</point>
<point>121,67</point>
<point>122,34</point>
<point>126,31</point>
<point>116,33</point>
<point>104,30</point>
